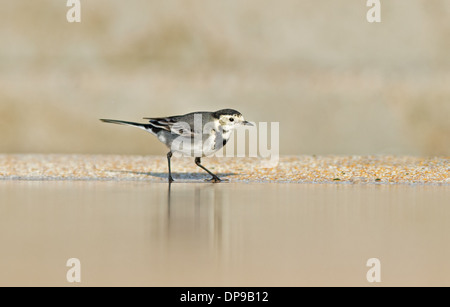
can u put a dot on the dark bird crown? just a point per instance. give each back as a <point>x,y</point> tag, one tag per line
<point>219,113</point>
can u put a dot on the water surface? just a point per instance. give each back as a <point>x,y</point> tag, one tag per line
<point>200,234</point>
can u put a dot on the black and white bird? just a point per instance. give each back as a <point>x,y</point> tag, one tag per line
<point>196,134</point>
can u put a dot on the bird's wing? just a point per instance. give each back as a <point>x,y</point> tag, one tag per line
<point>172,124</point>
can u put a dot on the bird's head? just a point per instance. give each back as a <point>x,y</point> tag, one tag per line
<point>229,119</point>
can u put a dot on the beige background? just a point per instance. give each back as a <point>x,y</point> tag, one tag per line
<point>336,83</point>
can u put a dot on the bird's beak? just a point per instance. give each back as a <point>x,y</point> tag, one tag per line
<point>246,123</point>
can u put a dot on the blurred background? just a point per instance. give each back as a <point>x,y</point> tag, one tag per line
<point>336,83</point>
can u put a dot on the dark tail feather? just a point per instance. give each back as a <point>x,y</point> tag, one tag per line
<point>148,127</point>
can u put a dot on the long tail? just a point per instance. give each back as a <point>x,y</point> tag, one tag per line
<point>148,127</point>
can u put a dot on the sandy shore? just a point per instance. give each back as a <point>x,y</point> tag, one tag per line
<point>289,169</point>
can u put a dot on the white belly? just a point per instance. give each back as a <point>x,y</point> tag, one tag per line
<point>198,147</point>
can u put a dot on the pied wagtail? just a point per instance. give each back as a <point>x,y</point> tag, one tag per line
<point>196,134</point>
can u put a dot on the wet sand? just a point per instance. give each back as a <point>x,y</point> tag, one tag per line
<point>140,232</point>
<point>286,169</point>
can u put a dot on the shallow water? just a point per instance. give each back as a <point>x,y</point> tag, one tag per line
<point>200,234</point>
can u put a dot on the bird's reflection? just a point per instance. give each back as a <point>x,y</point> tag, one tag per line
<point>168,199</point>
<point>194,217</point>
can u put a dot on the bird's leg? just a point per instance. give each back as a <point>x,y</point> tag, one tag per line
<point>169,155</point>
<point>214,177</point>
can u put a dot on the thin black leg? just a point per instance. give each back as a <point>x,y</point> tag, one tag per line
<point>214,177</point>
<point>169,155</point>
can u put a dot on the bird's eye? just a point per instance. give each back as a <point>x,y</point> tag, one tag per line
<point>231,119</point>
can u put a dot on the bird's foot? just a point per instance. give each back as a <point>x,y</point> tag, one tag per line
<point>215,179</point>
<point>171,180</point>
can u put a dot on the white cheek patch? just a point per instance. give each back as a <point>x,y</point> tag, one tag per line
<point>223,121</point>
